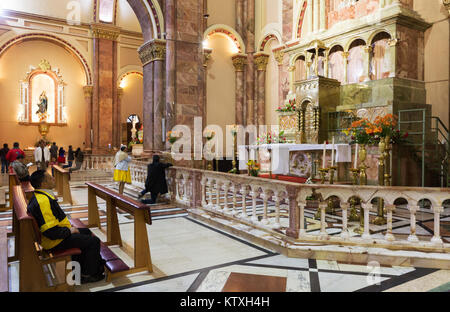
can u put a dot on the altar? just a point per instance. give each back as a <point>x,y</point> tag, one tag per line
<point>299,160</point>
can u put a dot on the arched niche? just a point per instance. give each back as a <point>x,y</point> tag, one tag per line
<point>355,66</point>
<point>42,96</point>
<point>336,66</point>
<point>380,61</point>
<point>300,68</point>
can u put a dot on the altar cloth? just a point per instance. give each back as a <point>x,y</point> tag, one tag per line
<point>280,154</point>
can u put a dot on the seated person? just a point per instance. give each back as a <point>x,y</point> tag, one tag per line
<point>156,180</point>
<point>57,232</point>
<point>21,169</point>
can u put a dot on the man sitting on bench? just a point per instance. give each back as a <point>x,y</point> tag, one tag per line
<point>57,232</point>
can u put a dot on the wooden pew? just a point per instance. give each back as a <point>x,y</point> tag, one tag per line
<point>14,180</point>
<point>36,273</point>
<point>62,178</point>
<point>4,279</point>
<point>142,217</point>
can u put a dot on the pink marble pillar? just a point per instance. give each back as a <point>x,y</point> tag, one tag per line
<point>250,72</point>
<point>104,104</point>
<point>170,17</point>
<point>239,62</point>
<point>261,61</point>
<point>279,56</point>
<point>288,11</point>
<point>294,213</point>
<point>158,108</point>
<point>88,92</point>
<point>118,124</point>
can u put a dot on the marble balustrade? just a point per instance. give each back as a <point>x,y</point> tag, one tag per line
<point>279,206</point>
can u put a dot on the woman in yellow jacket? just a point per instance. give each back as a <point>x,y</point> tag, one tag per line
<point>122,168</point>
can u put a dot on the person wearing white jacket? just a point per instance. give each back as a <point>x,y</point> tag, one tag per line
<point>42,156</point>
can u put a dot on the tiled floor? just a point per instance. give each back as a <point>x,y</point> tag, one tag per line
<point>189,256</point>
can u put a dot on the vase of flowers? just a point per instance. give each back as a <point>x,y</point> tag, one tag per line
<point>172,137</point>
<point>271,138</point>
<point>253,168</point>
<point>287,107</point>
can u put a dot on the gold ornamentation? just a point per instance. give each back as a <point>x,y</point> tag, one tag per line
<point>206,56</point>
<point>102,31</point>
<point>279,56</point>
<point>291,68</point>
<point>261,61</point>
<point>44,65</point>
<point>153,50</point>
<point>88,91</point>
<point>446,4</point>
<point>239,62</point>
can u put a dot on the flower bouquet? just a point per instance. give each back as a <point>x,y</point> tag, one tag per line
<point>172,137</point>
<point>253,168</point>
<point>389,131</point>
<point>288,107</point>
<point>271,138</point>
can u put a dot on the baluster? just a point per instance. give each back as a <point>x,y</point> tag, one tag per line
<point>437,225</point>
<point>217,186</point>
<point>344,233</point>
<point>413,209</point>
<point>226,186</point>
<point>323,224</point>
<point>209,184</point>
<point>185,187</point>
<point>244,201</point>
<point>234,189</point>
<point>277,200</point>
<point>177,188</point>
<point>301,207</point>
<point>265,197</point>
<point>366,207</point>
<point>254,195</point>
<point>389,236</point>
<point>203,183</point>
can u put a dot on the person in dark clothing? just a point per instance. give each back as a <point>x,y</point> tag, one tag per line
<point>156,180</point>
<point>5,162</point>
<point>54,152</point>
<point>70,157</point>
<point>21,168</point>
<point>79,158</point>
<point>57,232</point>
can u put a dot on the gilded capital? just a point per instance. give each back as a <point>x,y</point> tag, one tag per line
<point>291,68</point>
<point>119,92</point>
<point>103,31</point>
<point>206,56</point>
<point>368,49</point>
<point>239,61</point>
<point>88,91</point>
<point>279,56</point>
<point>447,5</point>
<point>153,50</point>
<point>393,42</point>
<point>261,61</point>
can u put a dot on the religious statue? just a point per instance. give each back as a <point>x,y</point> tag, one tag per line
<point>43,104</point>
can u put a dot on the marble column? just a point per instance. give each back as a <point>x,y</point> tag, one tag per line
<point>250,70</point>
<point>367,52</point>
<point>118,137</point>
<point>345,55</point>
<point>279,57</point>
<point>159,52</point>
<point>171,37</point>
<point>325,65</point>
<point>261,61</point>
<point>323,13</point>
<point>291,70</point>
<point>393,56</point>
<point>88,91</point>
<point>104,103</point>
<point>145,55</point>
<point>295,213</point>
<point>239,62</point>
<point>310,14</point>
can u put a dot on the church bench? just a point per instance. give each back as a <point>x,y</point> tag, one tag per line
<point>113,263</point>
<point>37,270</point>
<point>142,217</point>
<point>62,178</point>
<point>4,280</point>
<point>14,180</point>
<point>3,200</point>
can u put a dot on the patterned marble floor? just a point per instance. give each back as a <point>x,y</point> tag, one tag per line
<point>190,256</point>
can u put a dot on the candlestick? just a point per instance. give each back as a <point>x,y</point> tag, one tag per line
<point>332,170</point>
<point>323,174</point>
<point>324,153</point>
<point>356,155</point>
<point>355,174</point>
<point>332,154</point>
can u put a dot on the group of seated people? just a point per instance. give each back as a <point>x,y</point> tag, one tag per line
<point>58,233</point>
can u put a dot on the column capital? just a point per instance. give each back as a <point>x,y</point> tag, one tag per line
<point>393,42</point>
<point>88,91</point>
<point>105,31</point>
<point>291,68</point>
<point>279,56</point>
<point>368,48</point>
<point>261,60</point>
<point>119,92</point>
<point>345,54</point>
<point>446,5</point>
<point>153,50</point>
<point>206,56</point>
<point>239,61</point>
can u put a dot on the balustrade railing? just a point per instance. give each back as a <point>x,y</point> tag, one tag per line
<point>98,162</point>
<point>281,207</point>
